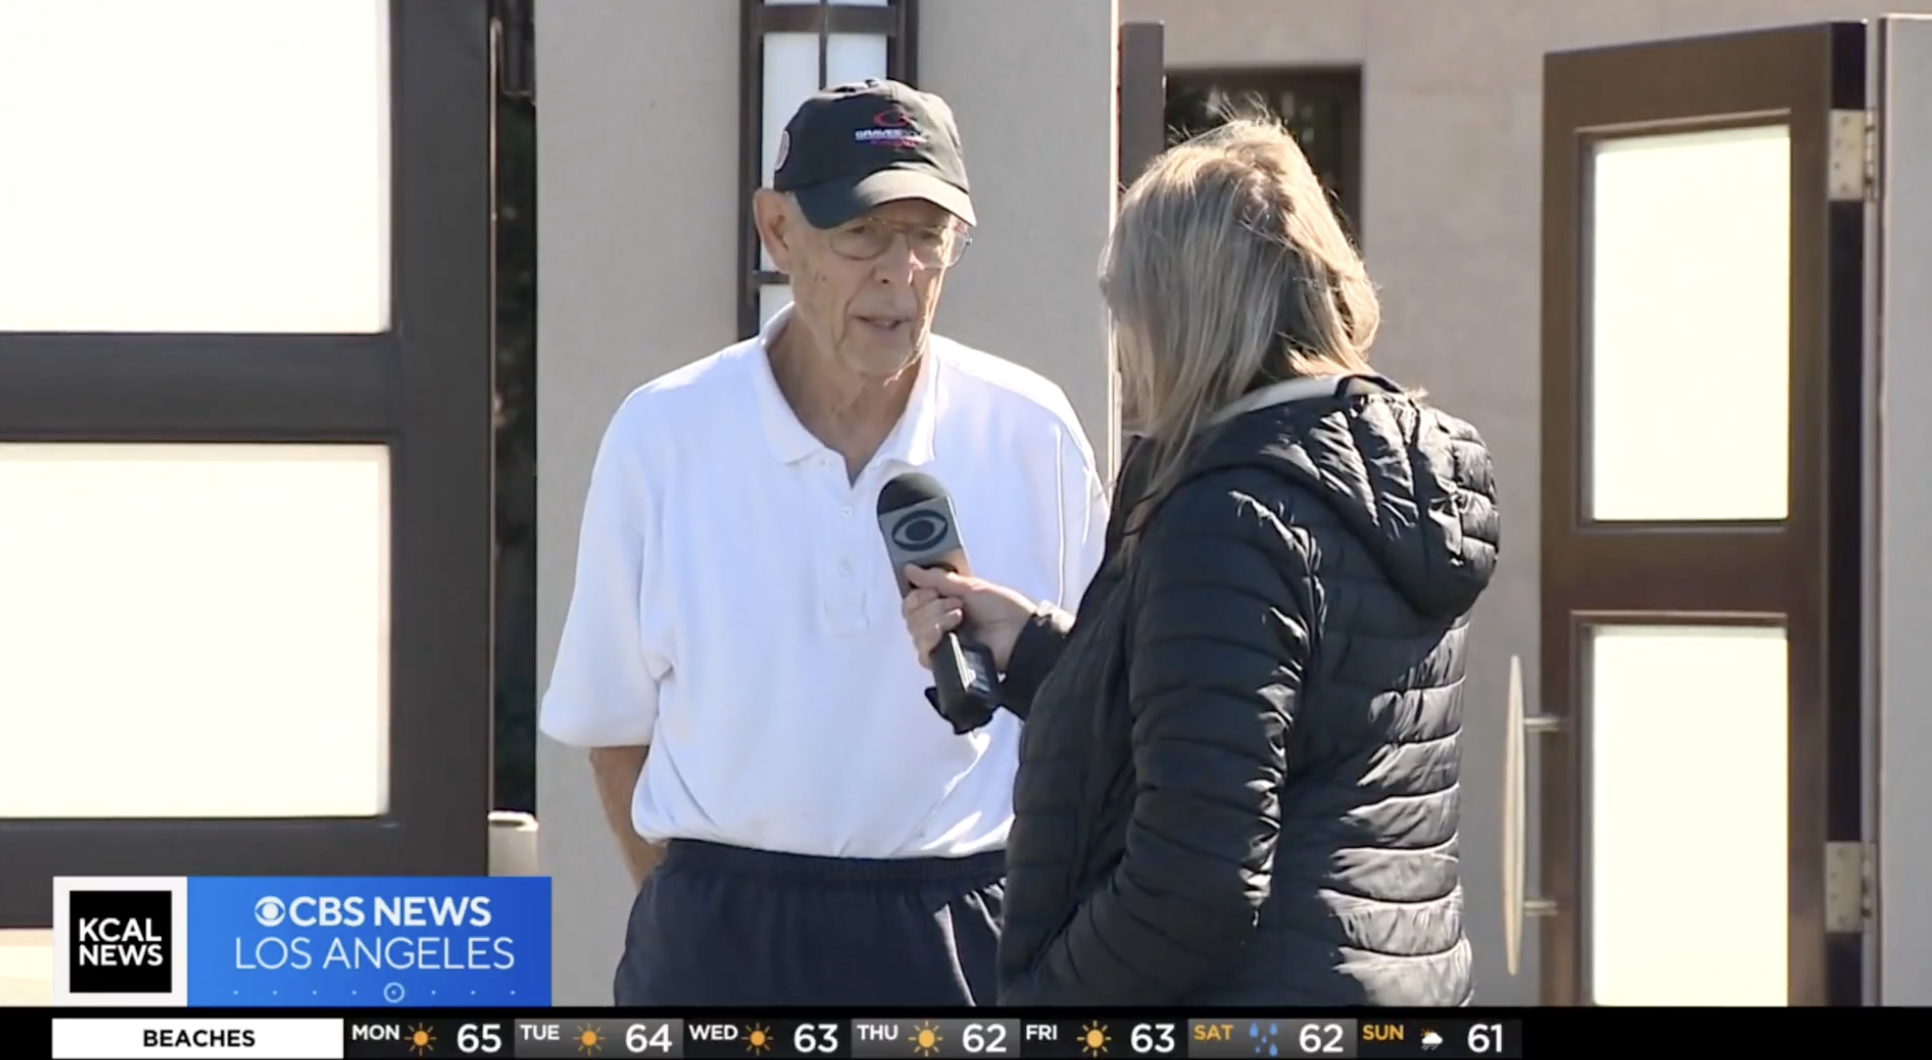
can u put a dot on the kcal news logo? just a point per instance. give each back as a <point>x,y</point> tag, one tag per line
<point>118,941</point>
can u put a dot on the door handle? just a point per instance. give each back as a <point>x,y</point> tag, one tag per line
<point>1517,905</point>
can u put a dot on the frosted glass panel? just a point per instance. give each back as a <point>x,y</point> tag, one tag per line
<point>194,165</point>
<point>771,299</point>
<point>1690,273</point>
<point>1687,815</point>
<point>194,631</point>
<point>854,57</point>
<point>791,75</point>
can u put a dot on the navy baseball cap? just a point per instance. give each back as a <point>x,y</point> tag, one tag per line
<point>852,147</point>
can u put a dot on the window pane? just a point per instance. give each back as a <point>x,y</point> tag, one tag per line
<point>771,299</point>
<point>1320,110</point>
<point>1318,120</point>
<point>791,74</point>
<point>194,165</point>
<point>854,57</point>
<point>1687,726</point>
<point>1690,277</point>
<point>194,631</point>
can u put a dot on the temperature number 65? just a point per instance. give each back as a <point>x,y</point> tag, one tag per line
<point>470,1039</point>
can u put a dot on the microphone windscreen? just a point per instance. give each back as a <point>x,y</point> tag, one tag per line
<point>909,489</point>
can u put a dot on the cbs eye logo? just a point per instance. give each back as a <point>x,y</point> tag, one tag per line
<point>270,911</point>
<point>920,531</point>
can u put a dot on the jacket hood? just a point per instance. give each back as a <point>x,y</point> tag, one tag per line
<point>1413,484</point>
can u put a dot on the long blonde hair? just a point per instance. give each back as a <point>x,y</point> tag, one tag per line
<point>1227,270</point>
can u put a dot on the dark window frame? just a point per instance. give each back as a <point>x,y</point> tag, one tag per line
<point>424,389</point>
<point>1140,97</point>
<point>1340,84</point>
<point>897,22</point>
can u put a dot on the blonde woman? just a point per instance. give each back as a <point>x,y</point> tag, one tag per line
<point>1238,779</point>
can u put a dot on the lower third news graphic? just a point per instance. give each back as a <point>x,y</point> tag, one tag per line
<point>273,942</point>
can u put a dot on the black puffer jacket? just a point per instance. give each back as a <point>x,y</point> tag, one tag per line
<point>1238,781</point>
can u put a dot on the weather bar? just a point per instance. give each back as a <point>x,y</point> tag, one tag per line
<point>994,1036</point>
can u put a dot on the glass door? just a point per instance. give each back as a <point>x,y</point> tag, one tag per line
<point>1704,221</point>
<point>245,440</point>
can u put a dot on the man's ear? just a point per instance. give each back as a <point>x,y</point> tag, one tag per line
<point>779,227</point>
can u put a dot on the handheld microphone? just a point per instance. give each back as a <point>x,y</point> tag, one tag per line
<point>916,517</point>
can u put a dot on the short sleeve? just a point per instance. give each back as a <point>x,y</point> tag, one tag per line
<point>602,690</point>
<point>1083,518</point>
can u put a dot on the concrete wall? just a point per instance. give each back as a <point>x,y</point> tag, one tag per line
<point>637,272</point>
<point>638,170</point>
<point>1036,113</point>
<point>1452,169</point>
<point>1905,570</point>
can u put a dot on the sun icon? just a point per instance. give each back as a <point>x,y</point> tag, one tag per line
<point>590,1039</point>
<point>422,1040</point>
<point>1093,1039</point>
<point>757,1039</point>
<point>925,1040</point>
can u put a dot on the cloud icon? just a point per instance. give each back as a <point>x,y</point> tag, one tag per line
<point>1430,1039</point>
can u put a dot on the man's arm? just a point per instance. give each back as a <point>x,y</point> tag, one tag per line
<point>616,770</point>
<point>1083,529</point>
<point>1084,512</point>
<point>604,684</point>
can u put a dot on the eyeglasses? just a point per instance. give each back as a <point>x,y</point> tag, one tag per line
<point>933,246</point>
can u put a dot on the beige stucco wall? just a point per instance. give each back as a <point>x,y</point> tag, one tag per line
<point>1452,118</point>
<point>638,211</point>
<point>635,263</point>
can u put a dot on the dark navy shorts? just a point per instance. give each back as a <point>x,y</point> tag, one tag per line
<point>721,925</point>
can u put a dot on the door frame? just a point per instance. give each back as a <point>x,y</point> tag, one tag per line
<point>1687,573</point>
<point>423,388</point>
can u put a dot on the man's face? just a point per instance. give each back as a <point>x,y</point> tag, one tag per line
<point>868,289</point>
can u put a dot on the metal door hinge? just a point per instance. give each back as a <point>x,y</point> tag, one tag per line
<point>1848,886</point>
<point>1852,174</point>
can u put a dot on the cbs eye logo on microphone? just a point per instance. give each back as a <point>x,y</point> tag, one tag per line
<point>280,942</point>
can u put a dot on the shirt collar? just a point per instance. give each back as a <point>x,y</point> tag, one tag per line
<point>911,440</point>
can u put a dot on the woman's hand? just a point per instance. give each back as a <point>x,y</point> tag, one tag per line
<point>942,601</point>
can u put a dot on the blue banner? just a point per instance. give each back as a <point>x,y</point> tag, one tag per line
<point>430,942</point>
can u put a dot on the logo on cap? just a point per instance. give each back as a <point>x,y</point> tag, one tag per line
<point>891,127</point>
<point>784,149</point>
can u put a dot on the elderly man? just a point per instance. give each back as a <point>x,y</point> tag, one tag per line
<point>804,828</point>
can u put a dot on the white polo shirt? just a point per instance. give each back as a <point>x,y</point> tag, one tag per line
<point>735,610</point>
